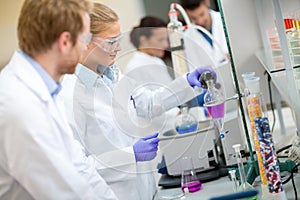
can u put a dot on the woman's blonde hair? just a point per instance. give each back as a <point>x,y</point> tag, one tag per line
<point>101,18</point>
<point>41,22</point>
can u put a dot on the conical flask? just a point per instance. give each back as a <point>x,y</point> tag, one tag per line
<point>189,180</point>
<point>185,122</point>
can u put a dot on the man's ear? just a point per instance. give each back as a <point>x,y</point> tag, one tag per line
<point>64,41</point>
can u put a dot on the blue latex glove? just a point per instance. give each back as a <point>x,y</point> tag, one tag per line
<point>193,77</point>
<point>145,149</point>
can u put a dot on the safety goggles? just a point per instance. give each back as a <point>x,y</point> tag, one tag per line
<point>108,45</point>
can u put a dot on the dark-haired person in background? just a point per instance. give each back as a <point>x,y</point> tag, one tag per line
<point>150,38</point>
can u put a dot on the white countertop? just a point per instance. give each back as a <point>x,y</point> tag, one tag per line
<point>222,186</point>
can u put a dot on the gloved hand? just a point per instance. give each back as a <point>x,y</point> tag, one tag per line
<point>193,77</point>
<point>145,149</point>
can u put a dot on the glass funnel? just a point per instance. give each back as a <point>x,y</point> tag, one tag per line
<point>214,100</point>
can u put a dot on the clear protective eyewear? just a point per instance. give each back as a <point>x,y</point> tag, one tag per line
<point>108,45</point>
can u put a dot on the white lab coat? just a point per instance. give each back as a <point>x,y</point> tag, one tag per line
<point>154,96</point>
<point>140,59</point>
<point>106,122</point>
<point>92,112</point>
<point>152,103</point>
<point>198,50</point>
<point>39,158</point>
<point>152,72</point>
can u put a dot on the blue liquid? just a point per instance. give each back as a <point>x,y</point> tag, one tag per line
<point>186,128</point>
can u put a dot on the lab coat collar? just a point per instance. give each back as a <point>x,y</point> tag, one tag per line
<point>29,76</point>
<point>53,87</point>
<point>86,76</point>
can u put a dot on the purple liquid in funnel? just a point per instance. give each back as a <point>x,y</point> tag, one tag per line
<point>216,111</point>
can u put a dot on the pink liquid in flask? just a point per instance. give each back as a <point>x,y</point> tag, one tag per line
<point>216,110</point>
<point>193,186</point>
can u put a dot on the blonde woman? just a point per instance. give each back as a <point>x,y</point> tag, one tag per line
<point>97,103</point>
<point>88,97</point>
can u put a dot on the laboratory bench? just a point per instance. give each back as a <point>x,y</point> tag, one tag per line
<point>271,15</point>
<point>224,186</point>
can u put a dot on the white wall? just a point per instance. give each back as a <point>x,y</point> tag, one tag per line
<point>129,11</point>
<point>245,38</point>
<point>9,12</point>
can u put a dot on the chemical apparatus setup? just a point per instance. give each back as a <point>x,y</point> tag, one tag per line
<point>220,133</point>
<point>150,100</point>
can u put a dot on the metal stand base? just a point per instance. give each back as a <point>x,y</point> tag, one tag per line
<point>252,170</point>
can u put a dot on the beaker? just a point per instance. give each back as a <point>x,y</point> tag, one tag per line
<point>189,180</point>
<point>185,122</point>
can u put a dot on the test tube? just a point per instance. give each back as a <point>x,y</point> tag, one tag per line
<point>269,157</point>
<point>255,108</point>
<point>234,181</point>
<point>244,184</point>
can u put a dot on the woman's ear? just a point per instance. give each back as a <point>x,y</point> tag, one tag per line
<point>143,41</point>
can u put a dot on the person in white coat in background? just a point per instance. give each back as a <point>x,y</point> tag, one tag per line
<point>150,38</point>
<point>88,96</point>
<point>148,69</point>
<point>39,157</point>
<point>209,52</point>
